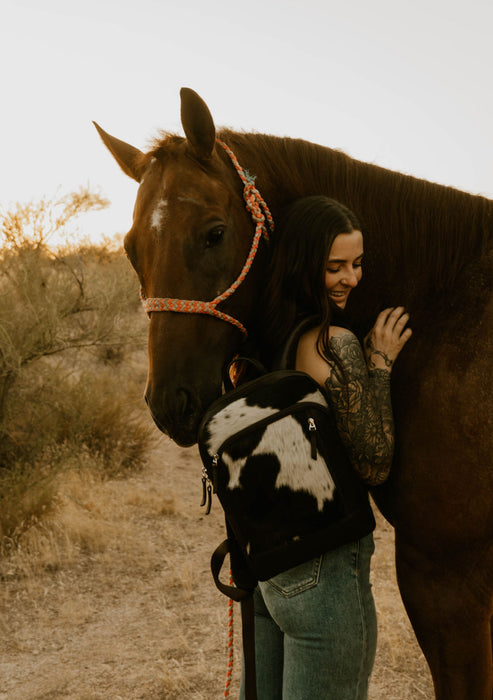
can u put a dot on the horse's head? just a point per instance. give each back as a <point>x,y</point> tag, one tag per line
<point>190,238</point>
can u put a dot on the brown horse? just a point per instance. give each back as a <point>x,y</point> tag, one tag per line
<point>426,246</point>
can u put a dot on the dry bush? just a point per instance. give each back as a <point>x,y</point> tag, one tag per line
<point>64,422</point>
<point>68,319</point>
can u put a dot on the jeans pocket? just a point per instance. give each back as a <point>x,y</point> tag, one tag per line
<point>296,580</point>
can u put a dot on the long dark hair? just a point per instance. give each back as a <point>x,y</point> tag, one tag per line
<point>296,277</point>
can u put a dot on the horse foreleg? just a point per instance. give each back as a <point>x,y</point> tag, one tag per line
<point>451,612</point>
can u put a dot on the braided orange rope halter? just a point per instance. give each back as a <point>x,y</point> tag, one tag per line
<point>262,217</point>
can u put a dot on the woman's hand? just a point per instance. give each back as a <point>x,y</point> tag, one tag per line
<point>387,338</point>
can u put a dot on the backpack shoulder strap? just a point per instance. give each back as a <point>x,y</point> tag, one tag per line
<point>245,598</point>
<point>248,630</point>
<point>217,561</point>
<point>287,359</point>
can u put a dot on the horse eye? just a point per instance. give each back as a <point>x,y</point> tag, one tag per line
<point>214,237</point>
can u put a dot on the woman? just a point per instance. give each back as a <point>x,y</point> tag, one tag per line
<point>315,624</point>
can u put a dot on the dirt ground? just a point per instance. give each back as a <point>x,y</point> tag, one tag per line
<point>119,603</point>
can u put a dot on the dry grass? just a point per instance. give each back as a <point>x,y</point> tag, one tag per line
<point>90,425</point>
<point>400,672</point>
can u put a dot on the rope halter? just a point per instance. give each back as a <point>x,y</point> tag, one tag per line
<point>264,224</point>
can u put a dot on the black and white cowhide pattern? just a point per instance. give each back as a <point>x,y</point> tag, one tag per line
<point>281,448</point>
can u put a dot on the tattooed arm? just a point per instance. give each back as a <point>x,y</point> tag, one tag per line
<point>360,394</point>
<point>362,408</point>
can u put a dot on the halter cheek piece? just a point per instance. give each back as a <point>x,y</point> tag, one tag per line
<point>262,218</point>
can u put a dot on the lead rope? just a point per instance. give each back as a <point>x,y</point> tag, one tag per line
<point>231,649</point>
<point>264,224</point>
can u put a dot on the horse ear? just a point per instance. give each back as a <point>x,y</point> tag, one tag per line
<point>129,159</point>
<point>197,123</point>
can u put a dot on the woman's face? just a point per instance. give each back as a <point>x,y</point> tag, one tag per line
<point>343,270</point>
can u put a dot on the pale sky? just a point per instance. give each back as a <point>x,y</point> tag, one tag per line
<point>403,84</point>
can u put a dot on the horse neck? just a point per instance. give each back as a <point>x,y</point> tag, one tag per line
<point>419,236</point>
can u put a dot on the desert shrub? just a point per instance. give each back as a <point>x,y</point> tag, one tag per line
<point>61,421</point>
<point>69,318</point>
<point>93,407</point>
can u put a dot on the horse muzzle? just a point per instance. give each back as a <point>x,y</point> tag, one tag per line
<point>177,413</point>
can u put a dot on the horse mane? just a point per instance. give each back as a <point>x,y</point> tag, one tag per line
<point>433,230</point>
<point>163,146</point>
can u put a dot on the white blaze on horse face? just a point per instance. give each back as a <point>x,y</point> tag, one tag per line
<point>159,214</point>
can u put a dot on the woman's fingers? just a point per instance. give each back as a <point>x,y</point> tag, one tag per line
<point>393,319</point>
<point>383,317</point>
<point>401,322</point>
<point>387,337</point>
<point>405,337</point>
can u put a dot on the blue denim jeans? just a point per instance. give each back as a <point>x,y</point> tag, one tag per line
<point>316,628</point>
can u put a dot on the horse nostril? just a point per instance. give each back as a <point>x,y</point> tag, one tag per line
<point>175,412</point>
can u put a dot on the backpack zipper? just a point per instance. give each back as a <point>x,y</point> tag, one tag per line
<point>313,436</point>
<point>206,490</point>
<point>209,486</point>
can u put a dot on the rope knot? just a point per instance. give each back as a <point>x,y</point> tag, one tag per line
<point>254,203</point>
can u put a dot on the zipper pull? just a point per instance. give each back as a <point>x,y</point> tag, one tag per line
<point>313,437</point>
<point>209,499</point>
<point>215,461</point>
<point>204,488</point>
<point>206,491</point>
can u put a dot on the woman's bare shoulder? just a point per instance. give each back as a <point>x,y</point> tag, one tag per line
<point>309,360</point>
<point>309,339</point>
<point>339,332</point>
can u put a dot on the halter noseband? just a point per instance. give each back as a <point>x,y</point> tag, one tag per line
<point>261,216</point>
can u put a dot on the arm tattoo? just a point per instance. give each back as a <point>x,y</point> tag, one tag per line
<point>362,408</point>
<point>371,350</point>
